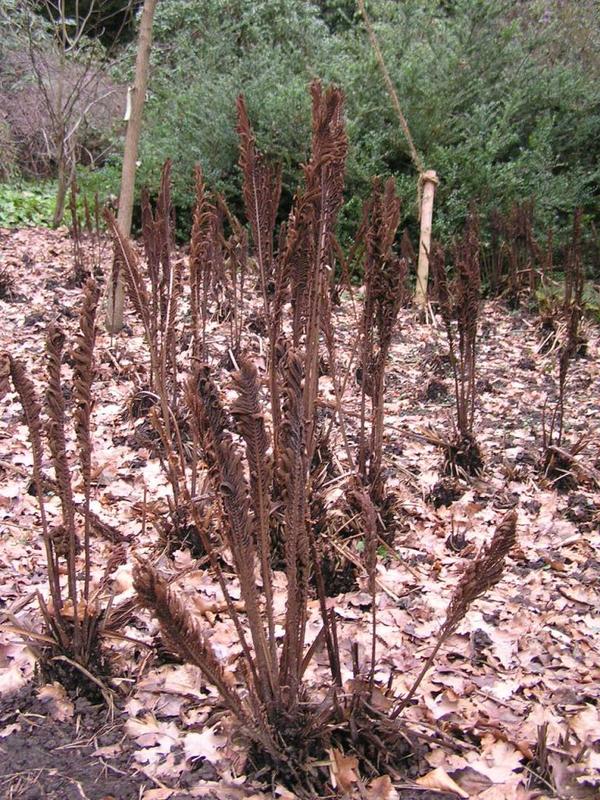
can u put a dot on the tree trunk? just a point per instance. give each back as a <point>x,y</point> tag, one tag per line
<point>430,181</point>
<point>61,189</point>
<point>114,311</point>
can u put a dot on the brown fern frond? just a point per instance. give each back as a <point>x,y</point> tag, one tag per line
<point>136,288</point>
<point>151,251</point>
<point>385,275</point>
<point>56,436</point>
<point>164,218</point>
<point>483,572</point>
<point>55,408</point>
<point>170,334</point>
<point>468,298</point>
<point>248,413</point>
<point>205,258</point>
<point>261,190</point>
<point>306,254</point>
<point>480,575</point>
<point>182,632</point>
<point>293,478</point>
<point>201,431</point>
<point>152,254</point>
<point>227,473</point>
<point>198,258</point>
<point>33,419</point>
<point>208,414</point>
<point>83,374</point>
<point>233,492</point>
<point>31,408</point>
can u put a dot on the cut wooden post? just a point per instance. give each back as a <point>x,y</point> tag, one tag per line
<point>429,181</point>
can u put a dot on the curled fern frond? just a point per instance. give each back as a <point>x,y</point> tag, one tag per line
<point>83,374</point>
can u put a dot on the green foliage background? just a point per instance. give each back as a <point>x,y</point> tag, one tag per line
<point>503,98</point>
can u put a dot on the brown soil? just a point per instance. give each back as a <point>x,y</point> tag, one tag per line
<point>44,758</point>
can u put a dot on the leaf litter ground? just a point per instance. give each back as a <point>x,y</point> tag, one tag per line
<point>526,658</point>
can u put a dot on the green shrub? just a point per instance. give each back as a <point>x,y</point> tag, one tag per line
<point>25,204</point>
<point>31,203</point>
<point>502,99</point>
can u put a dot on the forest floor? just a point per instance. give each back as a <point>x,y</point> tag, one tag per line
<point>524,663</point>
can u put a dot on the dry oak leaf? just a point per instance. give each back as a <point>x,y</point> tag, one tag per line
<point>206,745</point>
<point>59,705</point>
<point>342,770</point>
<point>440,780</point>
<point>381,789</point>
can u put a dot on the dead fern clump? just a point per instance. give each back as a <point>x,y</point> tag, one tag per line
<point>273,711</point>
<point>458,306</point>
<point>555,306</point>
<point>513,264</point>
<point>74,614</point>
<point>559,462</point>
<point>256,469</point>
<point>293,738</point>
<point>154,289</point>
<point>86,239</point>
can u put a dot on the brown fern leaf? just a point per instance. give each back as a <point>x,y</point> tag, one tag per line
<point>248,413</point>
<point>83,374</point>
<point>182,632</point>
<point>385,275</point>
<point>198,256</point>
<point>309,241</point>
<point>208,415</point>
<point>262,190</point>
<point>298,261</point>
<point>31,408</point>
<point>151,248</point>
<point>136,288</point>
<point>205,257</point>
<point>483,572</point>
<point>33,419</point>
<point>170,334</point>
<point>228,475</point>
<point>163,221</point>
<point>55,433</point>
<point>55,407</point>
<point>468,299</point>
<point>152,253</point>
<point>293,477</point>
<point>329,146</point>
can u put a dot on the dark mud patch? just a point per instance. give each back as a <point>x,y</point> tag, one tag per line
<point>42,758</point>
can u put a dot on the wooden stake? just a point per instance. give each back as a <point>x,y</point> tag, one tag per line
<point>429,181</point>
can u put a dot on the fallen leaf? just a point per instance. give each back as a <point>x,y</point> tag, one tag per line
<point>381,789</point>
<point>440,780</point>
<point>342,770</point>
